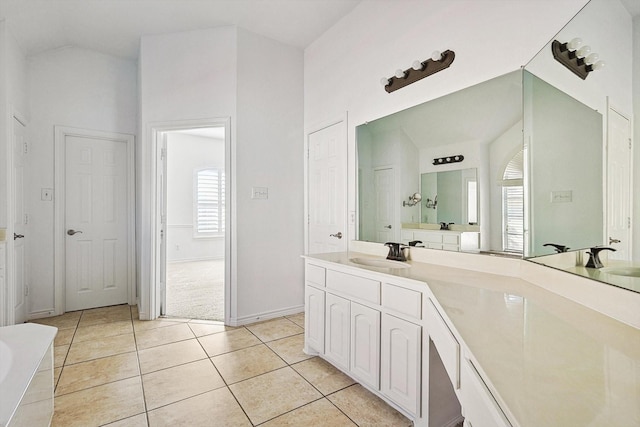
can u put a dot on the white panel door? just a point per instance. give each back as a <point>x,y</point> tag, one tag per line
<point>619,195</point>
<point>327,192</point>
<point>384,219</point>
<point>18,269</point>
<point>96,217</point>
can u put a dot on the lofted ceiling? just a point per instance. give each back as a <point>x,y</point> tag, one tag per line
<point>115,26</point>
<point>479,114</point>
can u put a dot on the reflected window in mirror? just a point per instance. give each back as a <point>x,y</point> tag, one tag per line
<point>513,205</point>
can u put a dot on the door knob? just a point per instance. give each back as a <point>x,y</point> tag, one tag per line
<point>72,232</point>
<point>18,236</point>
<point>611,240</point>
<point>338,235</point>
<point>388,226</point>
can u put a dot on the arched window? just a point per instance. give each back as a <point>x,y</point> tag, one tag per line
<point>513,205</point>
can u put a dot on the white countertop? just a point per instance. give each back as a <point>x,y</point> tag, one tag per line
<point>22,348</point>
<point>549,361</point>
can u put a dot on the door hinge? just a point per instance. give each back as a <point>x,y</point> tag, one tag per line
<point>26,219</point>
<point>629,222</point>
<point>162,153</point>
<point>25,147</point>
<point>26,291</point>
<point>630,144</point>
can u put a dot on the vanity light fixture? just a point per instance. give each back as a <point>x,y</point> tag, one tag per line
<point>414,199</point>
<point>449,159</point>
<point>577,57</point>
<point>419,70</point>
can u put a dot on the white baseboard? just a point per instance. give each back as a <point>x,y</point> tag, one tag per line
<point>259,317</point>
<point>41,314</point>
<point>178,261</point>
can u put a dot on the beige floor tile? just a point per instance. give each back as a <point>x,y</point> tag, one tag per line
<point>103,330</point>
<point>202,329</point>
<point>135,313</point>
<point>227,341</point>
<point>246,363</point>
<point>109,346</point>
<point>145,325</point>
<point>65,321</point>
<point>180,382</point>
<point>298,319</point>
<point>97,372</point>
<point>56,376</point>
<point>99,405</point>
<point>64,336</point>
<point>217,407</point>
<point>364,408</point>
<point>274,329</point>
<point>270,395</point>
<point>290,348</point>
<point>168,355</point>
<point>319,413</point>
<point>136,421</point>
<point>59,355</point>
<point>97,316</point>
<point>161,336</point>
<point>323,375</point>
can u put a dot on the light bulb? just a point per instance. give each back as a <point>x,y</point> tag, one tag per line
<point>384,82</point>
<point>436,55</point>
<point>583,51</point>
<point>417,65</point>
<point>574,44</point>
<point>592,59</point>
<point>400,74</point>
<point>598,65</point>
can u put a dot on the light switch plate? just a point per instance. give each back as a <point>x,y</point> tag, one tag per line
<point>259,193</point>
<point>46,194</point>
<point>563,196</point>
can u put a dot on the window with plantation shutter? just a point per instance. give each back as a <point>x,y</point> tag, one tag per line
<point>209,197</point>
<point>513,205</point>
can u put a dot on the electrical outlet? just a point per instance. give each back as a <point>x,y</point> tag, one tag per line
<point>259,193</point>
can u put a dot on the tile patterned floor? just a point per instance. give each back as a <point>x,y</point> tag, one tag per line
<point>116,371</point>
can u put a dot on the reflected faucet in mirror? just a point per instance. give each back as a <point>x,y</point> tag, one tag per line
<point>594,257</point>
<point>558,248</point>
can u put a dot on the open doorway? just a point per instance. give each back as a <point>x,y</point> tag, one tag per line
<point>195,199</point>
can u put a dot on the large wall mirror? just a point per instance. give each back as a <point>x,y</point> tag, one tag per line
<point>483,124</point>
<point>535,140</point>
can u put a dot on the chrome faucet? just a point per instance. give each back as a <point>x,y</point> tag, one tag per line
<point>594,257</point>
<point>396,251</point>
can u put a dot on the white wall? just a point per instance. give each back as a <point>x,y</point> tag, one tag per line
<point>491,38</point>
<point>636,138</point>
<point>228,72</point>
<point>182,76</point>
<point>269,150</point>
<point>186,154</point>
<point>68,87</point>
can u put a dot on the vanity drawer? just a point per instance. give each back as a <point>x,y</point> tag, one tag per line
<point>356,286</point>
<point>451,239</point>
<point>445,343</point>
<point>314,274</point>
<point>402,300</point>
<point>428,237</point>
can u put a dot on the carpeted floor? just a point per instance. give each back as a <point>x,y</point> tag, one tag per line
<point>195,290</point>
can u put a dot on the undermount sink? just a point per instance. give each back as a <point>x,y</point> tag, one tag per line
<point>622,271</point>
<point>380,263</point>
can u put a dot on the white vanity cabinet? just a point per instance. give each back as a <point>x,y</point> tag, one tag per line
<point>401,361</point>
<point>337,330</point>
<point>448,240</point>
<point>365,344</point>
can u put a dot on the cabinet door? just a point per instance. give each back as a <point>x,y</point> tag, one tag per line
<point>400,362</point>
<point>337,331</point>
<point>365,345</point>
<point>314,319</point>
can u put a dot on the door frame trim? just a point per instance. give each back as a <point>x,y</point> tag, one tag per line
<point>59,225</point>
<point>316,127</point>
<point>155,131</point>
